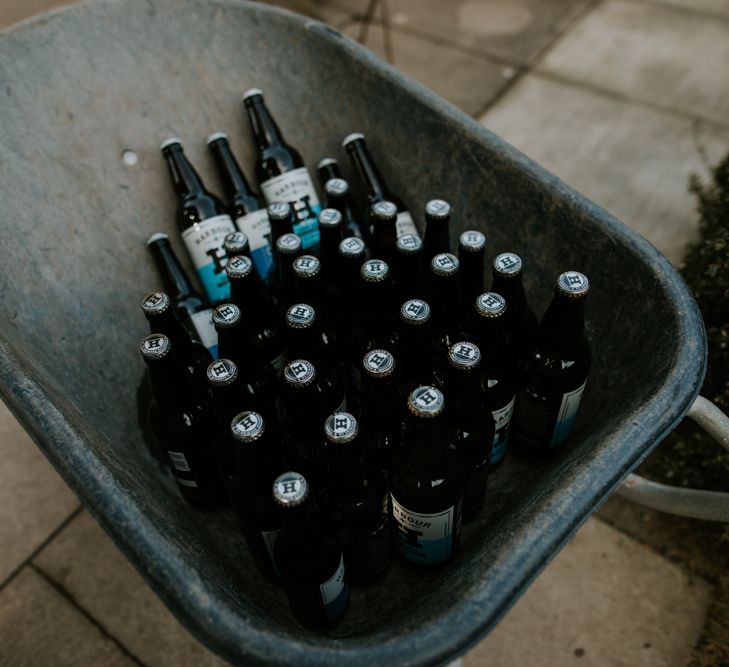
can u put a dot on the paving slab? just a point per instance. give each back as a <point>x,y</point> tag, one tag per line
<point>466,80</point>
<point>649,52</point>
<point>34,500</point>
<point>633,161</point>
<point>330,14</point>
<point>84,562</point>
<point>605,601</point>
<point>714,7</point>
<point>38,627</point>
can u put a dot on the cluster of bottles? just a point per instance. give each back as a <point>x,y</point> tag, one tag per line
<point>346,384</point>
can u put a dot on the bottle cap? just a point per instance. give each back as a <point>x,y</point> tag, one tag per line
<point>155,303</point>
<point>378,363</point>
<point>157,236</point>
<point>352,137</point>
<point>290,489</point>
<point>444,264</point>
<point>508,264</point>
<point>279,210</point>
<point>306,266</point>
<point>438,209</point>
<point>235,242</point>
<point>170,142</point>
<point>425,401</point>
<point>325,162</point>
<point>472,241</point>
<point>375,270</point>
<point>573,284</point>
<point>336,187</point>
<point>341,427</point>
<point>490,304</point>
<point>215,136</point>
<point>415,312</point>
<point>409,244</point>
<point>352,247</point>
<point>222,372</point>
<point>251,92</point>
<point>300,316</point>
<point>239,266</point>
<point>384,210</point>
<point>288,244</point>
<point>299,373</point>
<point>155,346</point>
<point>464,355</point>
<point>247,426</point>
<point>330,218</point>
<point>226,315</point>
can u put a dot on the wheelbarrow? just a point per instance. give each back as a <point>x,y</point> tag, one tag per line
<point>87,93</point>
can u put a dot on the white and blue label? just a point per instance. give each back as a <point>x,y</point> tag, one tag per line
<point>204,243</point>
<point>335,593</point>
<point>203,323</point>
<point>567,414</point>
<point>425,538</point>
<point>405,225</point>
<point>296,188</point>
<point>502,419</point>
<point>257,228</point>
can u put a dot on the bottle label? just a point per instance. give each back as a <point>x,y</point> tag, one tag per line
<point>296,188</point>
<point>179,462</point>
<point>204,243</point>
<point>502,418</point>
<point>258,230</point>
<point>203,323</point>
<point>335,592</point>
<point>269,540</point>
<point>567,414</point>
<point>405,225</point>
<point>425,538</point>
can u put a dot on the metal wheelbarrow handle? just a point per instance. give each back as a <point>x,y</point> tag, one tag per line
<point>693,503</point>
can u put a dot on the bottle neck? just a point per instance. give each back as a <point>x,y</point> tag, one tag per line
<point>300,527</point>
<point>446,297</point>
<point>490,333</point>
<point>347,472</point>
<point>463,388</point>
<point>265,131</point>
<point>227,400</point>
<point>169,324</point>
<point>563,325</point>
<point>512,290</point>
<point>175,280</point>
<point>472,272</point>
<point>185,179</point>
<point>368,173</point>
<point>169,383</point>
<point>234,181</point>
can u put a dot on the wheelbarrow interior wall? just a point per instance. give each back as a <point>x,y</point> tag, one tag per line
<point>84,85</point>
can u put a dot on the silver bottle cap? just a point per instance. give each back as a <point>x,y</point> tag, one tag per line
<point>415,311</point>
<point>325,162</point>
<point>155,346</point>
<point>352,247</point>
<point>251,92</point>
<point>226,315</point>
<point>290,489</point>
<point>279,210</point>
<point>215,136</point>
<point>375,270</point>
<point>573,284</point>
<point>384,210</point>
<point>444,264</point>
<point>409,244</point>
<point>426,401</point>
<point>288,244</point>
<point>222,372</point>
<point>155,303</point>
<point>352,137</point>
<point>337,187</point>
<point>247,426</point>
<point>472,241</point>
<point>235,242</point>
<point>490,304</point>
<point>464,355</point>
<point>341,427</point>
<point>306,266</point>
<point>300,316</point>
<point>508,264</point>
<point>157,236</point>
<point>438,209</point>
<point>330,217</point>
<point>239,267</point>
<point>378,363</point>
<point>170,142</point>
<point>299,373</point>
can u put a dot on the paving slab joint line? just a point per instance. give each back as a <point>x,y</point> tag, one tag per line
<point>51,536</point>
<point>72,601</point>
<point>683,9</point>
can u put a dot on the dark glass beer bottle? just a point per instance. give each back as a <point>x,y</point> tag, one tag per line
<point>426,482</point>
<point>548,404</point>
<point>311,565</point>
<point>471,249</point>
<point>328,168</point>
<point>246,206</point>
<point>201,220</point>
<point>281,171</point>
<point>500,367</point>
<point>436,237</point>
<point>338,196</point>
<point>330,236</point>
<point>471,422</point>
<point>281,217</point>
<point>409,279</point>
<point>446,300</point>
<point>236,243</point>
<point>358,502</point>
<point>189,305</point>
<point>308,284</point>
<point>288,250</point>
<point>383,215</point>
<point>180,420</point>
<point>352,253</point>
<point>417,348</point>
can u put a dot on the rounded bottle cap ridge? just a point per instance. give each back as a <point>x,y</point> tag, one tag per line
<point>215,136</point>
<point>375,271</point>
<point>290,489</point>
<point>444,264</point>
<point>352,137</point>
<point>352,247</point>
<point>235,242</point>
<point>336,186</point>
<point>325,162</point>
<point>299,373</point>
<point>171,141</point>
<point>464,355</point>
<point>238,267</point>
<point>573,284</point>
<point>288,244</point>
<point>300,316</point>
<point>155,303</point>
<point>306,266</point>
<point>247,426</point>
<point>508,264</point>
<point>330,218</point>
<point>279,210</point>
<point>251,92</point>
<point>472,241</point>
<point>340,428</point>
<point>415,311</point>
<point>384,210</point>
<point>155,346</point>
<point>426,401</point>
<point>378,363</point>
<point>438,209</point>
<point>490,304</point>
<point>226,315</point>
<point>409,244</point>
<point>157,236</point>
<point>222,372</point>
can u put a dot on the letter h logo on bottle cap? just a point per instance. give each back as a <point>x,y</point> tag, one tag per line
<point>290,489</point>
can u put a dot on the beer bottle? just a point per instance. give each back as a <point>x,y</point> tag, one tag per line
<point>288,250</point>
<point>426,482</point>
<point>246,206</point>
<point>409,281</point>
<point>436,237</point>
<point>500,369</point>
<point>521,322</point>
<point>330,236</point>
<point>383,216</point>
<point>189,305</point>
<point>470,421</point>
<point>311,565</point>
<point>471,248</point>
<point>281,171</point>
<point>352,253</point>
<point>180,420</point>
<point>281,217</point>
<point>417,347</point>
<point>359,502</point>
<point>236,243</point>
<point>373,184</point>
<point>338,196</point>
<point>201,220</point>
<point>308,284</point>
<point>548,404</point>
<point>255,470</point>
<point>446,300</point>
<point>328,168</point>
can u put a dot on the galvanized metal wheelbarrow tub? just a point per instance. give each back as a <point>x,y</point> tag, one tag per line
<point>82,86</point>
